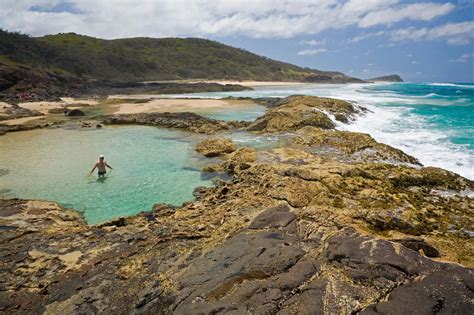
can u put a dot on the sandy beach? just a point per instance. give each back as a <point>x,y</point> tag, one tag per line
<point>19,121</point>
<point>171,105</point>
<point>44,107</point>
<point>121,104</point>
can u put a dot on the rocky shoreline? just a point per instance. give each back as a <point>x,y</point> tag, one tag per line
<point>19,83</point>
<point>328,222</point>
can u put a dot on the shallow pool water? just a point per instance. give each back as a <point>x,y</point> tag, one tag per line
<point>150,166</point>
<point>248,112</point>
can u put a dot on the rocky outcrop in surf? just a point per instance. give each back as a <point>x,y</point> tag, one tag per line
<point>295,112</point>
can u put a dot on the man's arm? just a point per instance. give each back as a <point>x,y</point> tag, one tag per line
<point>106,164</point>
<point>92,170</point>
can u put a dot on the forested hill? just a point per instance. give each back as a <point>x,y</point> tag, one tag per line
<point>141,59</point>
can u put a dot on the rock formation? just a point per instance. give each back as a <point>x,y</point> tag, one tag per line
<point>295,112</point>
<point>326,222</point>
<point>185,120</point>
<point>215,147</point>
<point>387,78</point>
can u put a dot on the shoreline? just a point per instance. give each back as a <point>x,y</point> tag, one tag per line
<point>325,208</point>
<point>246,83</point>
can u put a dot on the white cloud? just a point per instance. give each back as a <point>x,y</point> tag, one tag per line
<point>313,42</point>
<point>359,38</point>
<point>311,51</point>
<point>414,62</point>
<point>416,12</point>
<point>257,19</point>
<point>454,33</point>
<point>463,58</point>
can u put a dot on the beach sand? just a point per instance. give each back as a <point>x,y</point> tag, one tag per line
<point>121,104</point>
<point>44,107</point>
<point>176,105</point>
<point>19,121</point>
<point>3,108</point>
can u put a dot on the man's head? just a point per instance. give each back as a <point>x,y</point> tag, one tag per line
<point>101,157</point>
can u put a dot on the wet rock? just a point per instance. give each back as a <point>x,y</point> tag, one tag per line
<point>341,117</point>
<point>75,112</point>
<point>215,147</point>
<point>185,120</point>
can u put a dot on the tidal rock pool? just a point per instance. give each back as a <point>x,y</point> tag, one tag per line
<point>150,166</point>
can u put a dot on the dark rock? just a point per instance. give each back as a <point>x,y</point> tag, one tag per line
<point>279,216</point>
<point>239,260</point>
<point>448,291</point>
<point>184,120</point>
<point>341,117</point>
<point>417,245</point>
<point>75,112</point>
<point>149,295</point>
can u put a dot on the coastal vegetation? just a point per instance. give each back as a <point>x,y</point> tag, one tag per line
<point>145,59</point>
<point>387,78</point>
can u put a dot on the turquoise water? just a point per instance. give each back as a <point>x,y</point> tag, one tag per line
<point>431,121</point>
<point>445,106</point>
<point>150,166</point>
<point>239,112</point>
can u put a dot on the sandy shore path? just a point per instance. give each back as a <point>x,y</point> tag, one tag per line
<point>176,105</point>
<point>19,121</point>
<point>44,107</point>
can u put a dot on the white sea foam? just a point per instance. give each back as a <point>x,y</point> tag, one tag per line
<point>465,86</point>
<point>390,119</point>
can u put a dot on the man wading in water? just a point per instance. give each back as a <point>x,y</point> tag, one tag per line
<point>100,165</point>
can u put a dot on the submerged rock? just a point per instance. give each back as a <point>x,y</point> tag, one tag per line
<point>215,147</point>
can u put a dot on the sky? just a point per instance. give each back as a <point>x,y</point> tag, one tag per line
<point>423,41</point>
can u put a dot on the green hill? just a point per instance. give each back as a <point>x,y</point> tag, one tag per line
<point>147,59</point>
<point>387,78</point>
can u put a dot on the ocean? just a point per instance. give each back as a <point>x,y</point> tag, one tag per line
<point>431,121</point>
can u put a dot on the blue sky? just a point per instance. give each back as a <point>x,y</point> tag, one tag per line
<point>420,40</point>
